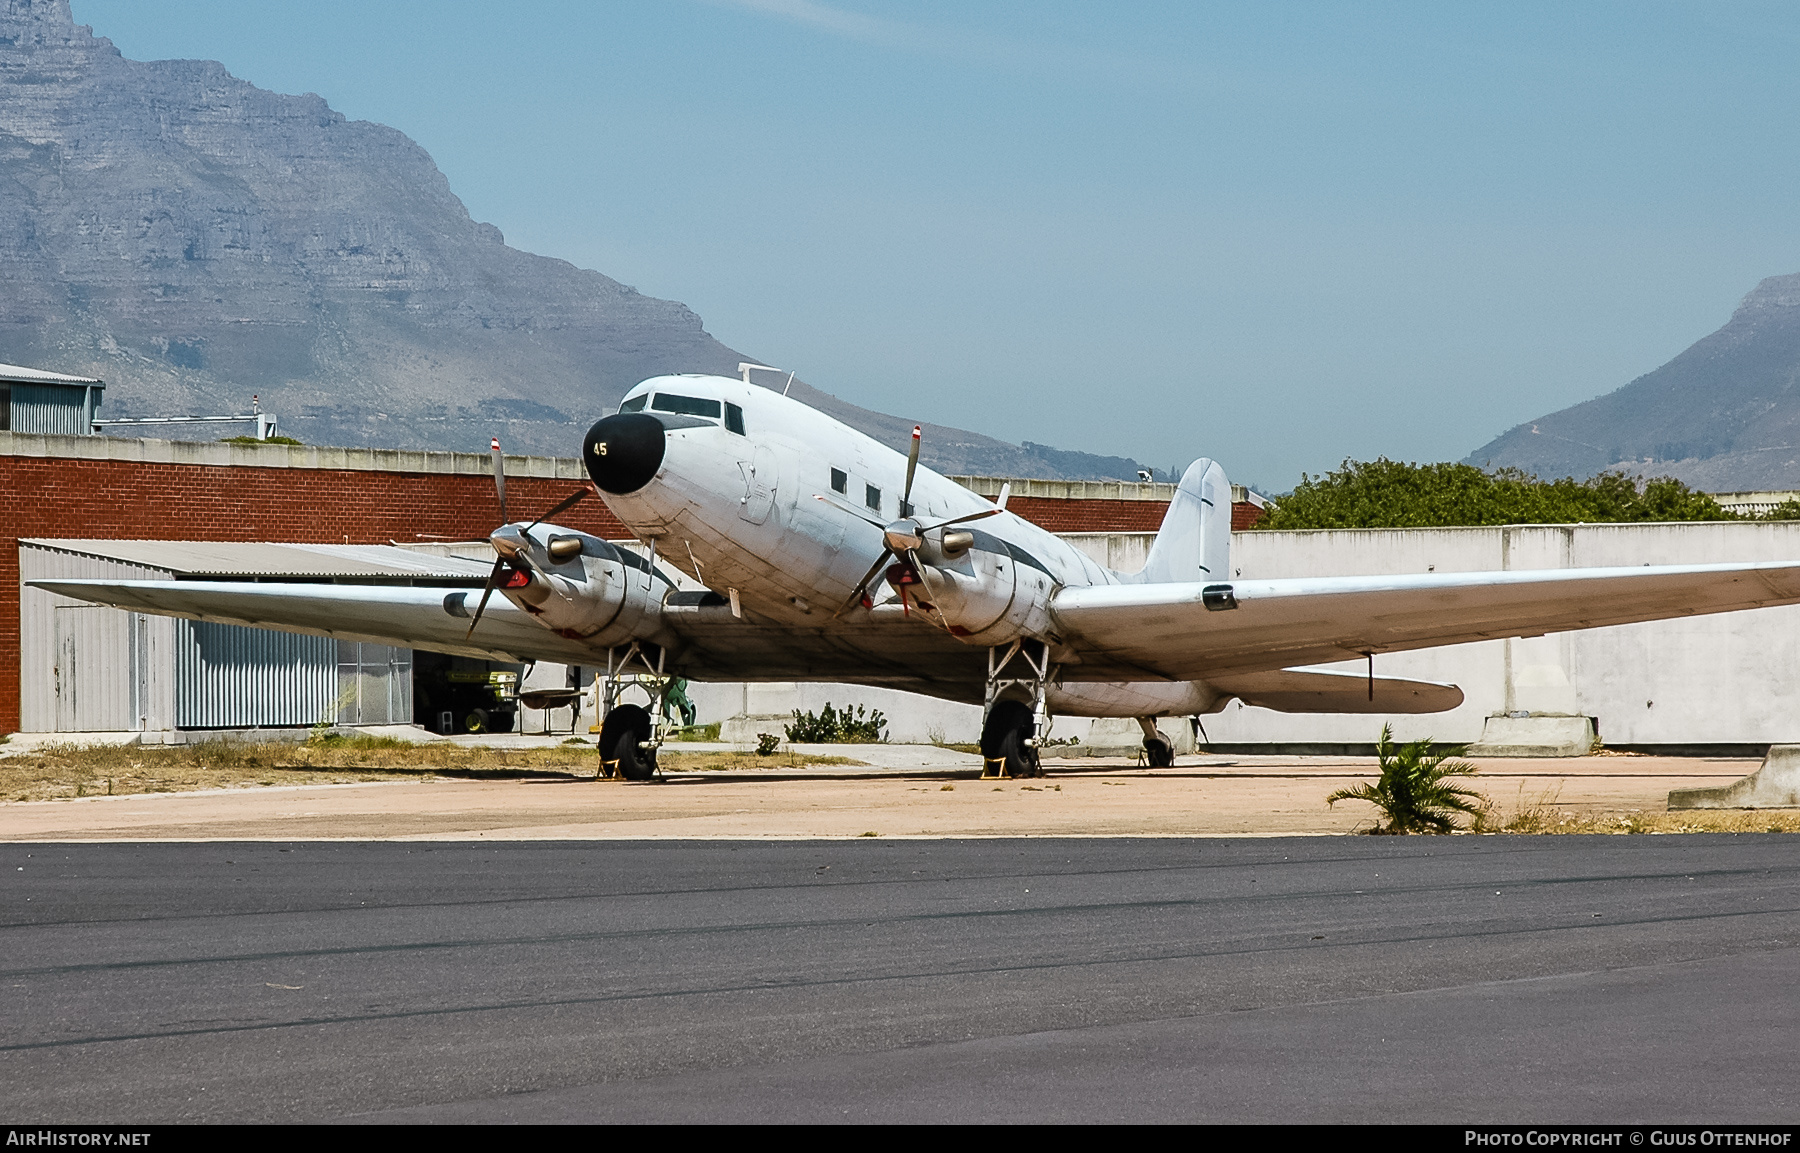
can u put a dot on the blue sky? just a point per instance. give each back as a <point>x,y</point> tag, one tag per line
<point>1277,234</point>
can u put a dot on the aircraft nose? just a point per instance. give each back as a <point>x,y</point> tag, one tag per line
<point>623,451</point>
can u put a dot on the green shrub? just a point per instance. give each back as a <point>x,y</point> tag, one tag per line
<point>834,726</point>
<point>1385,493</point>
<point>1415,794</point>
<point>766,744</point>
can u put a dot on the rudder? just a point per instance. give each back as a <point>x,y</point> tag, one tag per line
<point>1194,542</point>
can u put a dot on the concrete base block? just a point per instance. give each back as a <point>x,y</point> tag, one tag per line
<point>744,730</point>
<point>1774,786</point>
<point>1535,737</point>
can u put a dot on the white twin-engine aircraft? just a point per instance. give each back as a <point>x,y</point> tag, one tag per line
<point>822,555</point>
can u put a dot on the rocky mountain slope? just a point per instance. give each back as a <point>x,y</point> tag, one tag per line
<point>193,239</point>
<point>1723,416</point>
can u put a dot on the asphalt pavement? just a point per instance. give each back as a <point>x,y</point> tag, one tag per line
<point>1348,979</point>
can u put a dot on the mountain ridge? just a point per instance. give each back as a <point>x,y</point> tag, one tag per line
<point>193,239</point>
<point>1723,415</point>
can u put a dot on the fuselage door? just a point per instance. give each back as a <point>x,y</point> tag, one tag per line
<point>760,477</point>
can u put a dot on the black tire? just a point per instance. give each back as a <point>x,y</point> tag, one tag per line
<point>1009,725</point>
<point>1158,753</point>
<point>475,721</point>
<point>625,726</point>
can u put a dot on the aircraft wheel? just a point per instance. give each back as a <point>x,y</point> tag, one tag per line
<point>624,727</point>
<point>1003,738</point>
<point>1158,753</point>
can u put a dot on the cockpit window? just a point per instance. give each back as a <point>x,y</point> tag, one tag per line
<point>685,405</point>
<point>635,404</point>
<point>734,418</point>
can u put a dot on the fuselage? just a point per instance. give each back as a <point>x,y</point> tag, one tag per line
<point>740,510</point>
<point>777,505</point>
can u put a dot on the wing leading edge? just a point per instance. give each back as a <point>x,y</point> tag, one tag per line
<point>405,616</point>
<point>1169,631</point>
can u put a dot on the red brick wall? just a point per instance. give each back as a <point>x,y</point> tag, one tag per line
<point>50,497</point>
<point>1244,515</point>
<point>1090,515</point>
<point>1112,515</point>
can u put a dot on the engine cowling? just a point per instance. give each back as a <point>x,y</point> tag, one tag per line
<point>985,593</point>
<point>585,588</point>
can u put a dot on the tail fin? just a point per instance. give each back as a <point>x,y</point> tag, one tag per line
<point>1194,543</point>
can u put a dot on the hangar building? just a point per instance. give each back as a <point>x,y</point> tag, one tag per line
<point>117,671</point>
<point>32,400</point>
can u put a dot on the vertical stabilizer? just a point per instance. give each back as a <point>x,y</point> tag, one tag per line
<point>1194,543</point>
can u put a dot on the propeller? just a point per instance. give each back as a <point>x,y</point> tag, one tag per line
<point>902,538</point>
<point>508,546</point>
<point>499,477</point>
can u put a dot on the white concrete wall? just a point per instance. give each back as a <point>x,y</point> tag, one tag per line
<point>1732,678</point>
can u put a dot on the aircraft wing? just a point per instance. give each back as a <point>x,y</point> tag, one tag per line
<point>405,616</point>
<point>1169,631</point>
<point>1335,691</point>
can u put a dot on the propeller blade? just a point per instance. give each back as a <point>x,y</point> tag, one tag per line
<point>499,478</point>
<point>567,502</point>
<point>851,509</point>
<point>931,589</point>
<point>862,584</point>
<point>912,466</point>
<point>493,582</point>
<point>983,515</point>
<point>1005,491</point>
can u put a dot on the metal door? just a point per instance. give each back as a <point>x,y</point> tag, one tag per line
<point>93,671</point>
<point>760,476</point>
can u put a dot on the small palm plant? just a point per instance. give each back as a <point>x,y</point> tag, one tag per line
<point>1415,793</point>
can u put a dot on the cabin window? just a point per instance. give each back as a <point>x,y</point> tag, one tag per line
<point>840,481</point>
<point>872,497</point>
<point>734,419</point>
<point>685,405</point>
<point>635,404</point>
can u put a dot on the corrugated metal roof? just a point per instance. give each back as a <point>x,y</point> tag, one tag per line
<point>261,558</point>
<point>18,374</point>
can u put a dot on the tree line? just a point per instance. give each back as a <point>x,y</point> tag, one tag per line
<point>1383,493</point>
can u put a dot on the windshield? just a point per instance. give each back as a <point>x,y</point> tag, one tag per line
<point>686,405</point>
<point>635,404</point>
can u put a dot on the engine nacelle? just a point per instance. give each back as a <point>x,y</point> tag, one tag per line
<point>581,587</point>
<point>1135,698</point>
<point>986,594</point>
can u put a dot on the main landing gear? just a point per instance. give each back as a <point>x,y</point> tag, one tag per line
<point>1017,718</point>
<point>1158,752</point>
<point>630,733</point>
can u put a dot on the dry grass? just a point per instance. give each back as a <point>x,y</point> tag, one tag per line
<point>675,762</point>
<point>1543,813</point>
<point>1682,821</point>
<point>71,770</point>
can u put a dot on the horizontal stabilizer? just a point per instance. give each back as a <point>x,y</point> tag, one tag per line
<point>1332,691</point>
